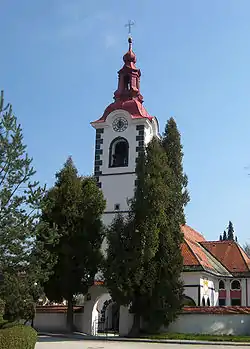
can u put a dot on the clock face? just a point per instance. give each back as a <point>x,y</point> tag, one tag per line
<point>120,124</point>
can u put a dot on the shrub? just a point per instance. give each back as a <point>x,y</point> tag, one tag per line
<point>18,337</point>
<point>2,308</point>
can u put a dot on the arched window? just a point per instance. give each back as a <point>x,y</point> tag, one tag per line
<point>203,302</point>
<point>188,302</point>
<point>127,82</point>
<point>235,285</point>
<point>118,152</point>
<point>208,302</point>
<point>221,285</point>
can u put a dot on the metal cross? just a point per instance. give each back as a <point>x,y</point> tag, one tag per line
<point>129,25</point>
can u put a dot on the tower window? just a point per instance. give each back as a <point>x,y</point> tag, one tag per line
<point>117,207</point>
<point>127,82</point>
<point>118,153</point>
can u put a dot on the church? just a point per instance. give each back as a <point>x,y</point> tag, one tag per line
<point>215,273</point>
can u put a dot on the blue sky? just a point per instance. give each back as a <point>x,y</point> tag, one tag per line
<point>59,61</point>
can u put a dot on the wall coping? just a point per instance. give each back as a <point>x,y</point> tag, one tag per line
<point>216,310</point>
<point>58,309</point>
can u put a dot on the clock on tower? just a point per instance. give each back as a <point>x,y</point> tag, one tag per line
<point>122,132</point>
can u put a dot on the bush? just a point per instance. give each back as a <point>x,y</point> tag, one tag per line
<point>18,337</point>
<point>2,308</point>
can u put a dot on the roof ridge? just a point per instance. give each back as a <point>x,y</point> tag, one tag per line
<point>192,252</point>
<point>214,256</point>
<point>240,250</point>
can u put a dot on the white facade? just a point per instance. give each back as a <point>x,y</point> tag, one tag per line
<point>118,182</point>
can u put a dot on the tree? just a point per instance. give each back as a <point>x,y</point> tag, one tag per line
<point>171,142</point>
<point>230,231</point>
<point>246,248</point>
<point>168,292</point>
<point>131,268</point>
<point>74,207</point>
<point>141,249</point>
<point>224,235</point>
<point>20,199</point>
<point>221,239</point>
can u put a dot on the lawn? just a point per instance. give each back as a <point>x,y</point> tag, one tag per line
<point>199,337</point>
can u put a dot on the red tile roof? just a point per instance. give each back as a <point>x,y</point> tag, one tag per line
<point>195,255</point>
<point>216,310</point>
<point>191,234</point>
<point>189,258</point>
<point>57,309</point>
<point>230,254</point>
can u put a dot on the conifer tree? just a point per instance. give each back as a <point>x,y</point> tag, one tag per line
<point>171,142</point>
<point>221,237</point>
<point>20,198</point>
<point>132,272</point>
<point>224,235</point>
<point>144,260</point>
<point>168,292</point>
<point>230,231</point>
<point>74,207</point>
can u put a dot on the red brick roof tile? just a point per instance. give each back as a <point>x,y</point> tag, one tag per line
<point>216,310</point>
<point>230,254</point>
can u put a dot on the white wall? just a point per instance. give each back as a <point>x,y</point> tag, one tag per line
<point>195,286</point>
<point>56,322</point>
<point>50,322</point>
<point>118,189</point>
<point>234,324</point>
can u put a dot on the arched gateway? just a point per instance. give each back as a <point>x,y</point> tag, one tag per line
<point>101,314</point>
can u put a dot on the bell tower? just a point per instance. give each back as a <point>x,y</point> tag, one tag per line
<point>122,132</point>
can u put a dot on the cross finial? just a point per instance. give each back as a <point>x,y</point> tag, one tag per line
<point>129,25</point>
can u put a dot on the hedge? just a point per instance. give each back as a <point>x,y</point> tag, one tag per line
<point>18,337</point>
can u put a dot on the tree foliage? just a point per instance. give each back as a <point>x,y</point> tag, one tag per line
<point>229,234</point>
<point>20,200</point>
<point>144,260</point>
<point>74,207</point>
<point>230,231</point>
<point>246,248</point>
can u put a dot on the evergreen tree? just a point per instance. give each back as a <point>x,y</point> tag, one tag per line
<point>168,292</point>
<point>172,144</point>
<point>20,199</point>
<point>221,237</point>
<point>246,248</point>
<point>131,272</point>
<point>230,231</point>
<point>74,207</point>
<point>144,260</point>
<point>224,236</point>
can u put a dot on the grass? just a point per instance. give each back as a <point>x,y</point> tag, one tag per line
<point>199,337</point>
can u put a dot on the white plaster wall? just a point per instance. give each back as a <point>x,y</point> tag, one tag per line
<point>212,291</point>
<point>90,314</point>
<point>118,189</point>
<point>238,324</point>
<point>78,320</point>
<point>197,278</point>
<point>50,322</point>
<point>125,321</point>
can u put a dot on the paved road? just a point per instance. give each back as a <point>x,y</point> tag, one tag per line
<point>59,343</point>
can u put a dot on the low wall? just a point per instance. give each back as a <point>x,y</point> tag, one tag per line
<point>212,320</point>
<point>53,318</point>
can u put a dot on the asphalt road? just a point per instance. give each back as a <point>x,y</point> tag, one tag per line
<point>61,343</point>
